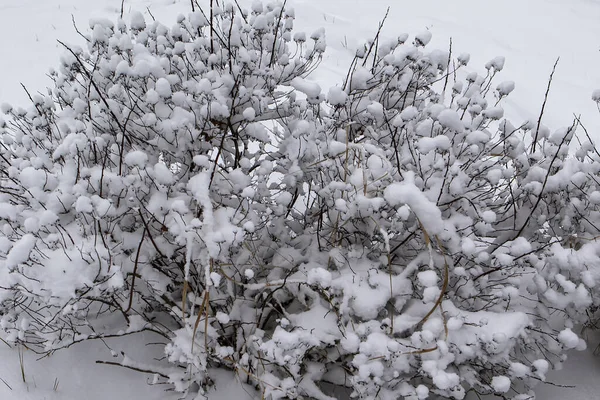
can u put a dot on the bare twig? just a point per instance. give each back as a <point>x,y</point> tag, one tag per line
<point>21,352</point>
<point>537,129</point>
<point>147,371</point>
<point>7,385</point>
<point>212,27</point>
<point>375,39</point>
<point>150,13</point>
<point>277,24</point>
<point>447,68</point>
<point>135,267</point>
<point>578,119</point>
<point>77,29</point>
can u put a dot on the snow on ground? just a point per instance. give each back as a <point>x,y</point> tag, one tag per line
<point>74,374</point>
<point>69,374</point>
<point>581,371</point>
<point>530,34</point>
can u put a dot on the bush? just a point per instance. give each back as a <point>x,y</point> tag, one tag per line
<point>397,237</point>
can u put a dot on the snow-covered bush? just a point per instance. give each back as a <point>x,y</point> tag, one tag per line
<point>396,236</point>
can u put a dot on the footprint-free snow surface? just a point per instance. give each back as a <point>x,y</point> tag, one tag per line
<point>531,34</point>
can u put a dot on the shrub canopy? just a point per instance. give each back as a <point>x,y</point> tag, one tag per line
<point>396,236</point>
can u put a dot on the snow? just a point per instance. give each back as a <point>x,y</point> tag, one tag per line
<point>43,380</point>
<point>409,113</point>
<point>249,114</point>
<point>422,392</point>
<point>519,370</point>
<point>505,88</point>
<point>406,193</point>
<point>454,324</point>
<point>541,368</point>
<point>310,89</point>
<point>20,251</point>
<point>136,158</point>
<point>451,120</point>
<point>32,177</point>
<point>336,96</point>
<point>163,87</point>
<point>424,38</point>
<point>529,47</point>
<point>137,20</point>
<point>319,276</point>
<point>84,205</point>
<point>497,63</point>
<point>427,144</point>
<point>519,247</point>
<point>488,216</point>
<point>445,380</point>
<point>501,384</point>
<point>222,317</point>
<point>595,197</point>
<point>427,278</point>
<point>568,338</point>
<point>468,246</point>
<point>162,174</point>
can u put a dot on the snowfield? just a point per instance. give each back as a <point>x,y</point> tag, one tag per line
<point>530,34</point>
